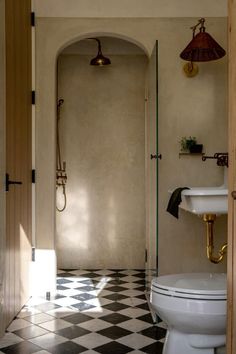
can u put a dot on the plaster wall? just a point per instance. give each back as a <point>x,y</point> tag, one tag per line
<point>130,8</point>
<point>190,107</point>
<point>102,141</point>
<point>195,106</point>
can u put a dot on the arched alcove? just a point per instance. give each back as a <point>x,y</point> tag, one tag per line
<point>46,143</point>
<point>102,131</point>
<point>103,34</point>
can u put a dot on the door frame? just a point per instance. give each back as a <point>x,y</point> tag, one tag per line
<point>151,167</point>
<point>2,164</point>
<point>231,267</point>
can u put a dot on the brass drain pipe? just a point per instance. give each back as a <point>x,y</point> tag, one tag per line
<point>209,219</point>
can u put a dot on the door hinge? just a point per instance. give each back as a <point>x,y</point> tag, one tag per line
<point>33,177</point>
<point>33,254</point>
<point>146,254</point>
<point>33,97</point>
<point>33,19</point>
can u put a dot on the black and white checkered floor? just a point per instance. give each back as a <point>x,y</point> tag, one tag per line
<point>94,311</point>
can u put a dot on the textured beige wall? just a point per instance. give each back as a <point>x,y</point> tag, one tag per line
<point>102,141</point>
<point>186,107</point>
<point>130,8</point>
<point>196,107</point>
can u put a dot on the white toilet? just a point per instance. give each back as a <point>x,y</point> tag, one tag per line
<point>194,308</point>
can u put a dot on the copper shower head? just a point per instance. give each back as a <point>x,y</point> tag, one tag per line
<point>99,60</point>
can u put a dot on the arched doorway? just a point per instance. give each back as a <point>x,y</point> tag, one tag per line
<point>45,265</point>
<point>102,134</point>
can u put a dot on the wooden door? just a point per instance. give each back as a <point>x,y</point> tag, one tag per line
<point>231,329</point>
<point>18,155</point>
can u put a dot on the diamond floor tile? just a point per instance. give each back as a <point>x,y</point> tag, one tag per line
<point>72,332</point>
<point>134,325</point>
<point>116,306</point>
<point>21,348</point>
<point>9,339</point>
<point>30,332</point>
<point>48,340</point>
<point>156,348</point>
<point>113,348</point>
<point>114,332</point>
<point>92,340</point>
<point>154,332</point>
<point>95,325</point>
<point>94,311</point>
<point>136,340</point>
<point>115,318</point>
<point>67,348</point>
<point>77,318</point>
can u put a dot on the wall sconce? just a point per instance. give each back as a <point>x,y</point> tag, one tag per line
<point>202,48</point>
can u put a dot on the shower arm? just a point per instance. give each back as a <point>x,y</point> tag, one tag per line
<point>99,43</point>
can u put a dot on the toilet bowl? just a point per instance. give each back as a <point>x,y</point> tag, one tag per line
<point>193,306</point>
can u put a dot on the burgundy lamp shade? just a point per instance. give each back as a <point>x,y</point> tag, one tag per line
<point>202,47</point>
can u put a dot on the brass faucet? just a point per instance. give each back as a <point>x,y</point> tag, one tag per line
<point>209,219</point>
<point>221,158</point>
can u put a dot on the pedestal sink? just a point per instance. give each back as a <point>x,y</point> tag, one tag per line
<point>205,200</point>
<point>208,203</point>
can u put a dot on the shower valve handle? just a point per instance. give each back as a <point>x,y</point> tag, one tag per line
<point>8,182</point>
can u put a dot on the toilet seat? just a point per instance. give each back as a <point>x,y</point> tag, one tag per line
<point>201,286</point>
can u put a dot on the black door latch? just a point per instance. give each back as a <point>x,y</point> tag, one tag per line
<point>8,182</point>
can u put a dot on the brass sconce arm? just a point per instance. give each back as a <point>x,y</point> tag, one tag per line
<point>200,23</point>
<point>209,219</point>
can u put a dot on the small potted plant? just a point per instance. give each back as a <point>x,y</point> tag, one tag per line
<point>189,144</point>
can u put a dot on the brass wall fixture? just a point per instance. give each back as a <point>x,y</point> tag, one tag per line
<point>221,158</point>
<point>99,60</point>
<point>209,220</point>
<point>61,176</point>
<point>202,48</point>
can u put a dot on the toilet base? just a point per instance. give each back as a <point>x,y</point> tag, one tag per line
<point>177,342</point>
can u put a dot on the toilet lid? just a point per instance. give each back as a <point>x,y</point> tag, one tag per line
<point>192,285</point>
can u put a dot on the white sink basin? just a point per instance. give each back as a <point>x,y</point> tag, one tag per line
<point>205,200</point>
